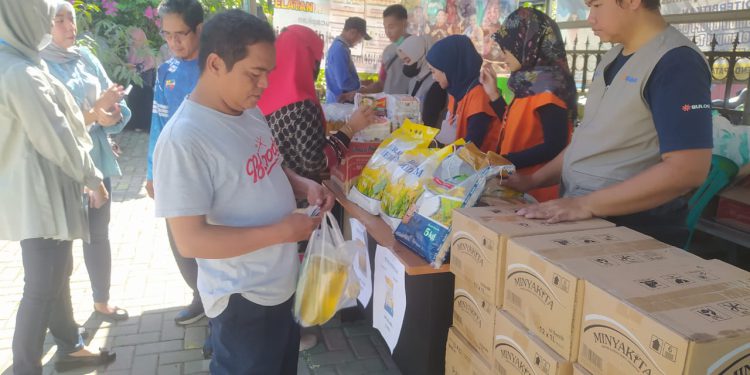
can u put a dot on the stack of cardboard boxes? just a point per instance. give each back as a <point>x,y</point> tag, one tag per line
<point>479,242</point>
<point>588,297</point>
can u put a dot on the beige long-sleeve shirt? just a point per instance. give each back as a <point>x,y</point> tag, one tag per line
<point>44,145</point>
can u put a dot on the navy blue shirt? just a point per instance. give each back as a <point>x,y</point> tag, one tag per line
<point>679,95</point>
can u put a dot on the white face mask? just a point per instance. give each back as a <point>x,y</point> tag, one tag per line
<point>46,40</point>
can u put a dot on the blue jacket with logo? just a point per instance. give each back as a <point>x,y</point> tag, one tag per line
<point>175,80</point>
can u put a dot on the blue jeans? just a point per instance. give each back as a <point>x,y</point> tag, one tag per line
<point>98,253</point>
<point>47,266</point>
<point>248,338</point>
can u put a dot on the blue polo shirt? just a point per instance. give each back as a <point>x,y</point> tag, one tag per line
<point>679,80</point>
<point>341,75</point>
<point>175,80</point>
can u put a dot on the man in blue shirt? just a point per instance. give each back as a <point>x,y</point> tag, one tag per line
<point>182,21</point>
<point>342,81</point>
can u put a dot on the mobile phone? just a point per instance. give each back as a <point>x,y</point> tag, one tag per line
<point>126,92</point>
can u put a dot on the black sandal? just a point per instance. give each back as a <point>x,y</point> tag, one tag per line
<point>67,362</point>
<point>119,315</point>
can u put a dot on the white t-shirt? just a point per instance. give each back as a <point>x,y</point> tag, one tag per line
<point>229,169</point>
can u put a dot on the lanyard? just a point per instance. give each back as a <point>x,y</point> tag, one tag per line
<point>419,83</point>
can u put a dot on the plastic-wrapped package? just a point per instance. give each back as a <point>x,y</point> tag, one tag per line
<point>378,102</point>
<point>458,182</point>
<point>377,131</point>
<point>337,114</point>
<point>406,184</point>
<point>327,281</point>
<point>402,107</point>
<point>372,181</point>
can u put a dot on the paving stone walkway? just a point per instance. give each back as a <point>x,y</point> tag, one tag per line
<point>146,282</point>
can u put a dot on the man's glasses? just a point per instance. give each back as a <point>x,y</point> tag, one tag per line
<point>177,35</point>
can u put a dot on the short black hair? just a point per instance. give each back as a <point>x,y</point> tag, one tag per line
<point>190,10</point>
<point>396,10</point>
<point>229,34</point>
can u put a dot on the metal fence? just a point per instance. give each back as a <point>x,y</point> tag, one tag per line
<point>730,72</point>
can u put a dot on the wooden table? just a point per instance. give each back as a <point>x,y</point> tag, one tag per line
<point>429,295</point>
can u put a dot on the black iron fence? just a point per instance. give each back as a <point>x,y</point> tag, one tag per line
<point>730,72</point>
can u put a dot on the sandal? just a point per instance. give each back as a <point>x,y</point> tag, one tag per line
<point>118,315</point>
<point>67,362</point>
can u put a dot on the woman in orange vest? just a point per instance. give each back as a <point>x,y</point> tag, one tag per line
<point>537,124</point>
<point>455,65</point>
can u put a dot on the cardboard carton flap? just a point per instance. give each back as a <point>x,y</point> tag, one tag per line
<point>702,302</point>
<point>504,220</point>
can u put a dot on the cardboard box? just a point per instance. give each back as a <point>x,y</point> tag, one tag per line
<point>734,207</point>
<point>544,279</point>
<point>461,359</point>
<point>517,351</point>
<point>359,153</point>
<point>474,317</point>
<point>478,240</point>
<point>668,320</point>
<point>579,370</point>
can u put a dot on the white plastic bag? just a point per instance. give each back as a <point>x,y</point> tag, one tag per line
<point>731,141</point>
<point>327,281</point>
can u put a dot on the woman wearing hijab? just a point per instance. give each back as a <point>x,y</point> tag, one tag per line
<point>455,65</point>
<point>44,148</point>
<point>104,113</point>
<point>539,120</point>
<point>422,86</point>
<point>292,108</point>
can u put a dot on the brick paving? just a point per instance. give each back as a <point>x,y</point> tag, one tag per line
<point>146,282</point>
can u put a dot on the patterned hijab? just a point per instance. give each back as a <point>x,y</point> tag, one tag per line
<point>535,40</point>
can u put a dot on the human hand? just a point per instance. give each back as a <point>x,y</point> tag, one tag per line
<point>110,97</point>
<point>108,118</point>
<point>98,197</point>
<point>319,195</point>
<point>298,227</point>
<point>519,182</point>
<point>347,97</point>
<point>361,118</point>
<point>150,188</point>
<point>558,210</point>
<point>488,79</point>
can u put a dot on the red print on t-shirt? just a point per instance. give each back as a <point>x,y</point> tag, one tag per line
<point>262,163</point>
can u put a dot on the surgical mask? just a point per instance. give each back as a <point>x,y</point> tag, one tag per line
<point>46,40</point>
<point>411,70</point>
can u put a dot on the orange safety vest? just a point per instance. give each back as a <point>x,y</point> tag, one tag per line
<point>476,101</point>
<point>523,129</point>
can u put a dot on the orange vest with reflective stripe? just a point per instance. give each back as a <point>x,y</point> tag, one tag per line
<point>523,130</point>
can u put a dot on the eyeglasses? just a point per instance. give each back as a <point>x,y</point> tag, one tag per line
<point>177,35</point>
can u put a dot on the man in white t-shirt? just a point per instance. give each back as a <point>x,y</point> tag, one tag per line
<point>220,183</point>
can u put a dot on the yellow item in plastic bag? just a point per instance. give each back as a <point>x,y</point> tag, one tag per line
<point>323,286</point>
<point>327,279</point>
<point>375,176</point>
<point>415,168</point>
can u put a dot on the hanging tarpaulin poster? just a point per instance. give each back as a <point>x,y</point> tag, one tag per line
<point>477,19</point>
<point>313,14</point>
<point>725,31</point>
